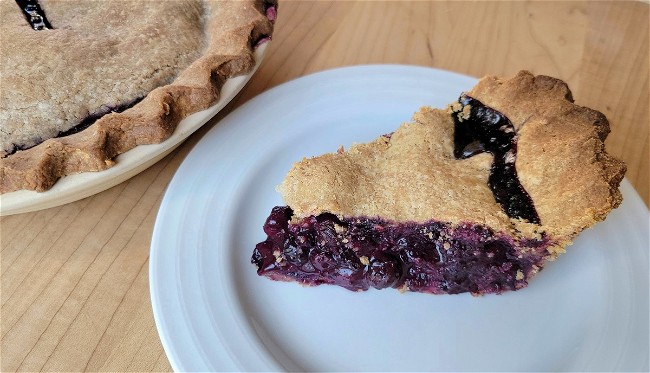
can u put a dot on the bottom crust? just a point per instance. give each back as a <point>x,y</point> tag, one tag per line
<point>362,252</point>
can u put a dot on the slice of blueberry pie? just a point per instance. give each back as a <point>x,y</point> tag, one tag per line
<point>474,198</point>
<point>83,81</point>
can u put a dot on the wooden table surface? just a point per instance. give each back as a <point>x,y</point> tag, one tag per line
<point>75,293</point>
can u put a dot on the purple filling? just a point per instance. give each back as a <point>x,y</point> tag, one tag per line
<point>361,252</point>
<point>270,9</point>
<point>271,13</point>
<point>34,14</point>
<point>487,130</point>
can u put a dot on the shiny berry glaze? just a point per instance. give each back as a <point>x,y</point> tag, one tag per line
<point>359,253</point>
<point>34,14</point>
<point>487,130</point>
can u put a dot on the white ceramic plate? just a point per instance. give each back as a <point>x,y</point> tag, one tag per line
<point>588,311</point>
<point>75,187</point>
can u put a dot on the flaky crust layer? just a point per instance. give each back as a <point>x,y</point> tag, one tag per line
<point>412,175</point>
<point>231,28</point>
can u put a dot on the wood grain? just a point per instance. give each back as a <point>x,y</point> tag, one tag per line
<point>74,278</point>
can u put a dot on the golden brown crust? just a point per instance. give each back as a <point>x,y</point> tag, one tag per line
<point>561,157</point>
<point>412,174</point>
<point>232,28</point>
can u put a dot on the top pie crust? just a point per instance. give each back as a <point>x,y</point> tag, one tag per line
<point>173,55</point>
<point>412,175</point>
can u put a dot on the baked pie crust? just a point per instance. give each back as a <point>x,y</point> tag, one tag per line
<point>408,211</point>
<point>130,71</point>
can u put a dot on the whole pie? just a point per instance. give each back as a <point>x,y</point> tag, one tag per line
<point>474,198</point>
<point>83,81</point>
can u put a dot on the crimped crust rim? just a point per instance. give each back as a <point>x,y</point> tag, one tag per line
<point>196,88</point>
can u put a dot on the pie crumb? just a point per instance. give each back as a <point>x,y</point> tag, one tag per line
<point>520,275</point>
<point>364,260</point>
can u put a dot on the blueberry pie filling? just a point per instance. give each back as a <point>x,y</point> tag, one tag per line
<point>486,130</point>
<point>270,9</point>
<point>34,14</point>
<point>475,198</point>
<point>361,252</point>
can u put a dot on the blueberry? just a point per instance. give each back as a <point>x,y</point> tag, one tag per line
<point>348,259</point>
<point>322,260</point>
<point>278,220</point>
<point>417,248</point>
<point>384,271</point>
<point>263,256</point>
<point>496,251</point>
<point>294,254</point>
<point>325,235</point>
<point>418,279</point>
